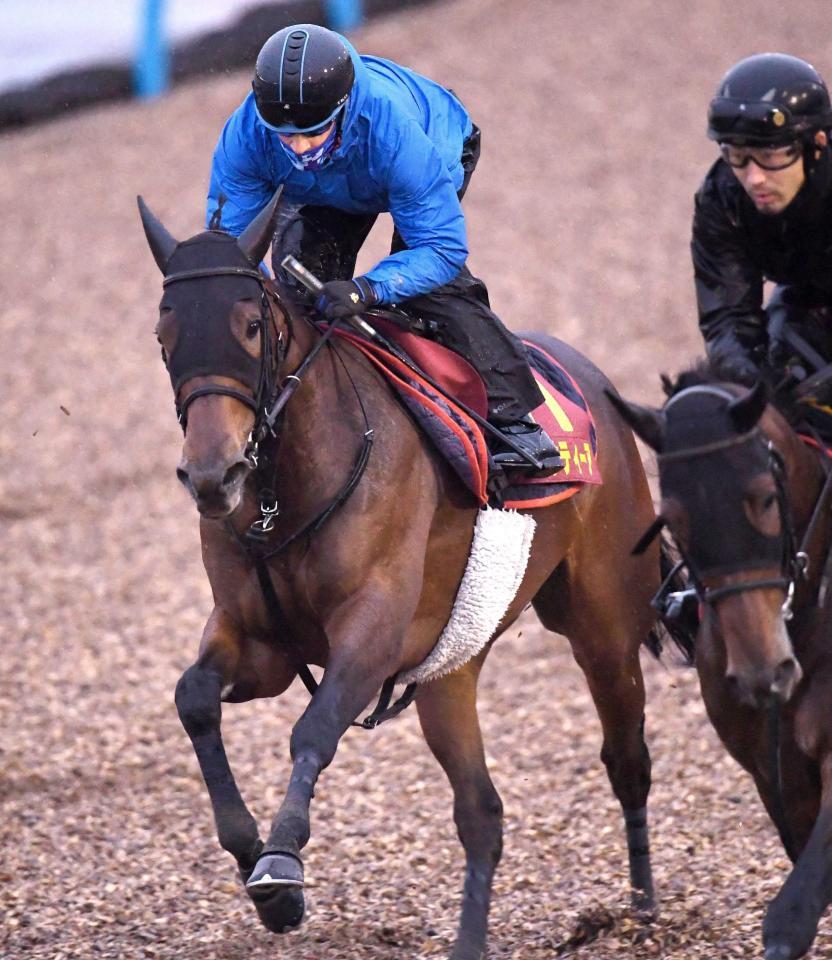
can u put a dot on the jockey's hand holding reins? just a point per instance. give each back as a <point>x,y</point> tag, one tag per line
<point>294,267</point>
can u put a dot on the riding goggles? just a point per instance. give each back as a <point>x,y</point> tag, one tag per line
<point>766,158</point>
<point>289,119</point>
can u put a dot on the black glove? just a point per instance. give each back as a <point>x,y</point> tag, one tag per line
<point>345,298</point>
<point>730,360</point>
<point>736,368</point>
<point>778,355</point>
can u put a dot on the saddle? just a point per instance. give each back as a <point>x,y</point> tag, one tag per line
<point>441,414</point>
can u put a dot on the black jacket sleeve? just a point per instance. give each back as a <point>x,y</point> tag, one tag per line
<point>729,286</point>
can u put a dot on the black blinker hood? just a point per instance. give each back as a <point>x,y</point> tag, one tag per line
<point>205,345</point>
<point>722,538</point>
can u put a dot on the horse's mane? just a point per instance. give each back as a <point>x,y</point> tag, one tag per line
<point>697,375</point>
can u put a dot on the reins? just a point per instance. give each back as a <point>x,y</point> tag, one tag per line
<point>778,812</point>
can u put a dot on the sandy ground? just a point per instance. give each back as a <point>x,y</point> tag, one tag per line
<point>593,119</point>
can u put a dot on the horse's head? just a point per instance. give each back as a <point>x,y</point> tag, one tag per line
<point>221,342</point>
<point>725,502</point>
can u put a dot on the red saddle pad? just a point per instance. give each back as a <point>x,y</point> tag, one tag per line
<point>564,414</point>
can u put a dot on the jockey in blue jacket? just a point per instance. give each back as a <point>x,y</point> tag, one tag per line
<point>350,137</point>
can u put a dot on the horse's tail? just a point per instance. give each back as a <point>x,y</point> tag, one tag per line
<point>681,630</point>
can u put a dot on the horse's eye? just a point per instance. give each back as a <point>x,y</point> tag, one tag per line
<point>253,329</point>
<point>769,501</point>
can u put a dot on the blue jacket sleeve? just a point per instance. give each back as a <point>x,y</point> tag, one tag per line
<point>428,215</point>
<point>241,183</point>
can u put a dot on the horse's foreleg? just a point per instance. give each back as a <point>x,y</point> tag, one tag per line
<point>791,920</point>
<point>348,685</point>
<point>448,714</point>
<point>198,702</point>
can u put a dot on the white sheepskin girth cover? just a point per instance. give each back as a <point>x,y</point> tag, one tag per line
<point>496,566</point>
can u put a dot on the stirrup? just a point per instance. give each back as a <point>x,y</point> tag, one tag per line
<point>542,462</point>
<point>546,467</point>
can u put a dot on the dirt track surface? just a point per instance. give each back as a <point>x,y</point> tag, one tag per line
<point>593,145</point>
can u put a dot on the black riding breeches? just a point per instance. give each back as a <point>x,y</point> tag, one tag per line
<point>327,242</point>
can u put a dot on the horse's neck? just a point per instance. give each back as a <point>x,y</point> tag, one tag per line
<point>323,426</point>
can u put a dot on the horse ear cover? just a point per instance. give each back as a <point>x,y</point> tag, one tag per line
<point>747,409</point>
<point>646,423</point>
<point>162,244</point>
<point>256,239</point>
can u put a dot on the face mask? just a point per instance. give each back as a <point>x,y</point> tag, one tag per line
<point>315,158</point>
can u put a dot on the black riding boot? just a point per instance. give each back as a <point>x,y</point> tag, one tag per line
<point>462,319</point>
<point>534,444</point>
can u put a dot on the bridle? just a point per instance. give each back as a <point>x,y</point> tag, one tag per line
<point>794,563</point>
<point>794,560</point>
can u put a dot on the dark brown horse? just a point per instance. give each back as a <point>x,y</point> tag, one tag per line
<point>365,555</point>
<point>748,504</point>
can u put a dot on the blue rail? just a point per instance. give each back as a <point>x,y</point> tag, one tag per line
<point>152,66</point>
<point>150,74</point>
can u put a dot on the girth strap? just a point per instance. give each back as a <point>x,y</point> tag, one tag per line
<point>382,712</point>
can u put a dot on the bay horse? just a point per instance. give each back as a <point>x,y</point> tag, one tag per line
<point>747,501</point>
<point>365,554</point>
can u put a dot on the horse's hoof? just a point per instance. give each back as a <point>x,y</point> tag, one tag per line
<point>780,951</point>
<point>273,872</point>
<point>643,903</point>
<point>468,953</point>
<point>281,911</point>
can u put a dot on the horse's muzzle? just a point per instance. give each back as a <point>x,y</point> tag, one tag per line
<point>216,488</point>
<point>766,685</point>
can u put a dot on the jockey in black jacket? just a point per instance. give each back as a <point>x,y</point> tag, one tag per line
<point>764,212</point>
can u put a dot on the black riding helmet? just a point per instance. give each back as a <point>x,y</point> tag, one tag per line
<point>769,99</point>
<point>302,78</point>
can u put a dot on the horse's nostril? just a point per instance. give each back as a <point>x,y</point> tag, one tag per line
<point>182,476</point>
<point>235,473</point>
<point>784,676</point>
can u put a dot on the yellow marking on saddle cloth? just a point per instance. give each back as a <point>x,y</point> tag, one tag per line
<point>579,456</point>
<point>557,410</point>
<point>816,405</point>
